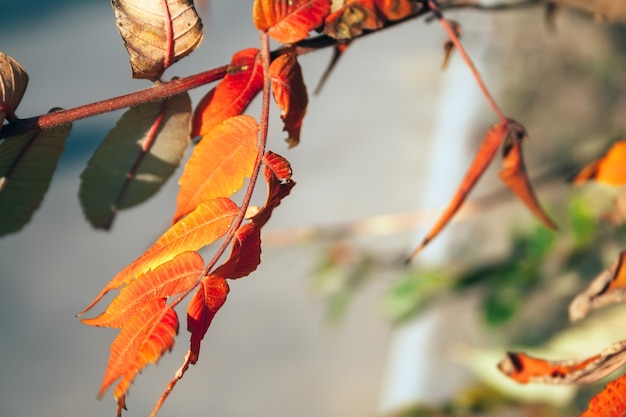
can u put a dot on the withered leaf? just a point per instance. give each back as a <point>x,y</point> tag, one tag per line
<point>157,33</point>
<point>13,82</point>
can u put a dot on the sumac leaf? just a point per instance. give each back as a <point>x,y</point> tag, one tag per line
<point>289,21</point>
<point>352,19</point>
<point>610,169</point>
<point>13,82</point>
<point>398,9</point>
<point>27,163</point>
<point>157,33</point>
<point>289,93</point>
<point>610,402</point>
<point>136,158</point>
<point>277,172</point>
<point>245,255</point>
<point>219,164</point>
<point>243,81</point>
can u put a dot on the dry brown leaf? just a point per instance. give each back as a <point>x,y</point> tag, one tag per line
<point>157,33</point>
<point>13,82</point>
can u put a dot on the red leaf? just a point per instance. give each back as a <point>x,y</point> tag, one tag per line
<point>277,189</point>
<point>494,137</point>
<point>219,163</point>
<point>173,277</point>
<point>279,166</point>
<point>290,94</point>
<point>398,9</point>
<point>203,306</point>
<point>610,402</point>
<point>607,288</point>
<point>352,19</point>
<point>525,369</point>
<point>245,255</point>
<point>289,21</point>
<point>514,176</point>
<point>609,170</point>
<point>243,81</point>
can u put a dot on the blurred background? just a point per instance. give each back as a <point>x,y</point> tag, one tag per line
<point>332,324</point>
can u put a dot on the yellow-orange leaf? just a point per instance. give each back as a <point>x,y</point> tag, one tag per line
<point>525,369</point>
<point>219,164</point>
<point>208,222</point>
<point>289,93</point>
<point>610,169</point>
<point>607,288</point>
<point>513,174</point>
<point>143,340</point>
<point>289,21</point>
<point>610,402</point>
<point>173,277</point>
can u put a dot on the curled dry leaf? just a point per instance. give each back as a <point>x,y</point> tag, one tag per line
<point>290,94</point>
<point>157,33</point>
<point>607,288</point>
<point>13,82</point>
<point>289,21</point>
<point>27,163</point>
<point>524,368</point>
<point>610,169</point>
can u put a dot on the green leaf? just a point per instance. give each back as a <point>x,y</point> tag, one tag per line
<point>27,163</point>
<point>136,158</point>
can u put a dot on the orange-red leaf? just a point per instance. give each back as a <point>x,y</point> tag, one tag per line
<point>398,9</point>
<point>204,304</point>
<point>127,355</point>
<point>243,81</point>
<point>352,19</point>
<point>245,255</point>
<point>607,288</point>
<point>525,369</point>
<point>208,222</point>
<point>610,169</point>
<point>279,184</point>
<point>219,164</point>
<point>290,94</point>
<point>610,402</point>
<point>173,277</point>
<point>289,21</point>
<point>276,166</point>
<point>494,137</point>
<point>514,176</point>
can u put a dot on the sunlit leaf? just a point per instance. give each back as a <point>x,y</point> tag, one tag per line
<point>607,288</point>
<point>290,94</point>
<point>610,402</point>
<point>219,164</point>
<point>354,17</point>
<point>289,21</point>
<point>243,81</point>
<point>157,33</point>
<point>524,368</point>
<point>136,158</point>
<point>610,169</point>
<point>13,82</point>
<point>27,163</point>
<point>173,277</point>
<point>513,174</point>
<point>143,340</point>
<point>208,222</point>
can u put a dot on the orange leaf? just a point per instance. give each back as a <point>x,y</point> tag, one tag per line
<point>144,330</point>
<point>352,19</point>
<point>219,164</point>
<point>279,184</point>
<point>494,137</point>
<point>610,402</point>
<point>398,9</point>
<point>289,21</point>
<point>607,288</point>
<point>208,222</point>
<point>245,255</point>
<point>525,369</point>
<point>514,176</point>
<point>203,306</point>
<point>609,170</point>
<point>173,277</point>
<point>290,94</point>
<point>243,81</point>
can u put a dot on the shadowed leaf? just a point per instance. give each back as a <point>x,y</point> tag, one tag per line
<point>525,369</point>
<point>290,94</point>
<point>136,158</point>
<point>208,222</point>
<point>277,173</point>
<point>27,163</point>
<point>609,170</point>
<point>289,21</point>
<point>13,82</point>
<point>610,402</point>
<point>607,288</point>
<point>172,277</point>
<point>245,255</point>
<point>157,33</point>
<point>243,81</point>
<point>219,164</point>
